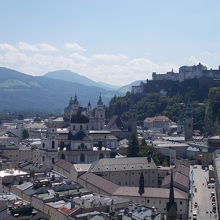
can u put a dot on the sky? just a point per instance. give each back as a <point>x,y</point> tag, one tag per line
<point>116,41</point>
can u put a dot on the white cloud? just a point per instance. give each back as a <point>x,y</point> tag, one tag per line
<point>109,57</point>
<point>74,46</point>
<point>24,46</point>
<point>79,57</point>
<point>7,47</point>
<point>112,68</point>
<point>46,47</point>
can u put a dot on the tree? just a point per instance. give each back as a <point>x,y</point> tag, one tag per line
<point>133,146</point>
<point>25,134</point>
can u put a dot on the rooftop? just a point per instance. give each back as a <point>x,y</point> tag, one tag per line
<point>157,118</point>
<point>150,192</point>
<point>99,182</point>
<point>12,172</point>
<point>125,163</point>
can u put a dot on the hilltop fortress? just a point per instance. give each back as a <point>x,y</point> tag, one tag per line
<point>199,72</point>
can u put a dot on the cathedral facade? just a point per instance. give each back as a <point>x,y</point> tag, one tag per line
<point>82,139</point>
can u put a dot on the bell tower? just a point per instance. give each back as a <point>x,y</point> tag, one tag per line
<point>100,114</point>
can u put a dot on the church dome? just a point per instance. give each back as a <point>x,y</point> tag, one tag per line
<point>79,118</point>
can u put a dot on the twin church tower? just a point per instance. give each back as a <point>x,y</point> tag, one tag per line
<point>95,117</point>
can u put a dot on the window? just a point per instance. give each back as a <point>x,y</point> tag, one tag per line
<point>148,201</point>
<point>74,127</point>
<point>43,158</point>
<point>82,158</point>
<point>159,201</point>
<point>53,144</point>
<point>181,202</point>
<point>53,161</point>
<point>81,127</point>
<point>43,145</point>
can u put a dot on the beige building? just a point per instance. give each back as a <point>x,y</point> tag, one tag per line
<point>126,171</point>
<point>156,197</point>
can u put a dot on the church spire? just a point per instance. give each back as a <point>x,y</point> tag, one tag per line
<point>141,184</point>
<point>100,102</point>
<point>75,101</point>
<point>171,205</point>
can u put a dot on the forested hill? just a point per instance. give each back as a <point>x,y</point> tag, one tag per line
<point>202,97</point>
<point>23,92</point>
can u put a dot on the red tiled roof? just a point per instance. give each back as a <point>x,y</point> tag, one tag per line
<point>68,211</point>
<point>157,118</point>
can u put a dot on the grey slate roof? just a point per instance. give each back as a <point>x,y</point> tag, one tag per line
<point>99,182</point>
<point>118,164</point>
<point>150,192</point>
<point>116,123</point>
<point>178,180</point>
<point>63,164</point>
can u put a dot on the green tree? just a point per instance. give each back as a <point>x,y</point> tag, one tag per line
<point>133,146</point>
<point>25,134</point>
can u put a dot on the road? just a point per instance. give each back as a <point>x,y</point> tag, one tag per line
<point>202,196</point>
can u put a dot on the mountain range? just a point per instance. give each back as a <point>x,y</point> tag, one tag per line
<point>70,76</point>
<point>51,92</point>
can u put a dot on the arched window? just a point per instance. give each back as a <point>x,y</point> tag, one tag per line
<point>53,144</point>
<point>82,158</point>
<point>82,146</point>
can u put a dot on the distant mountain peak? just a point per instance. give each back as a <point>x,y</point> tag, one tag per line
<point>69,76</point>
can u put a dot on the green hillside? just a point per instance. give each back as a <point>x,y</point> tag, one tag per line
<point>22,92</point>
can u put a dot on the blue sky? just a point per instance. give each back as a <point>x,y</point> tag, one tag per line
<point>116,41</point>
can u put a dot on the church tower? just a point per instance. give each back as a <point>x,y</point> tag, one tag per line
<point>100,114</point>
<point>171,205</point>
<point>132,121</point>
<point>188,124</point>
<point>75,106</point>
